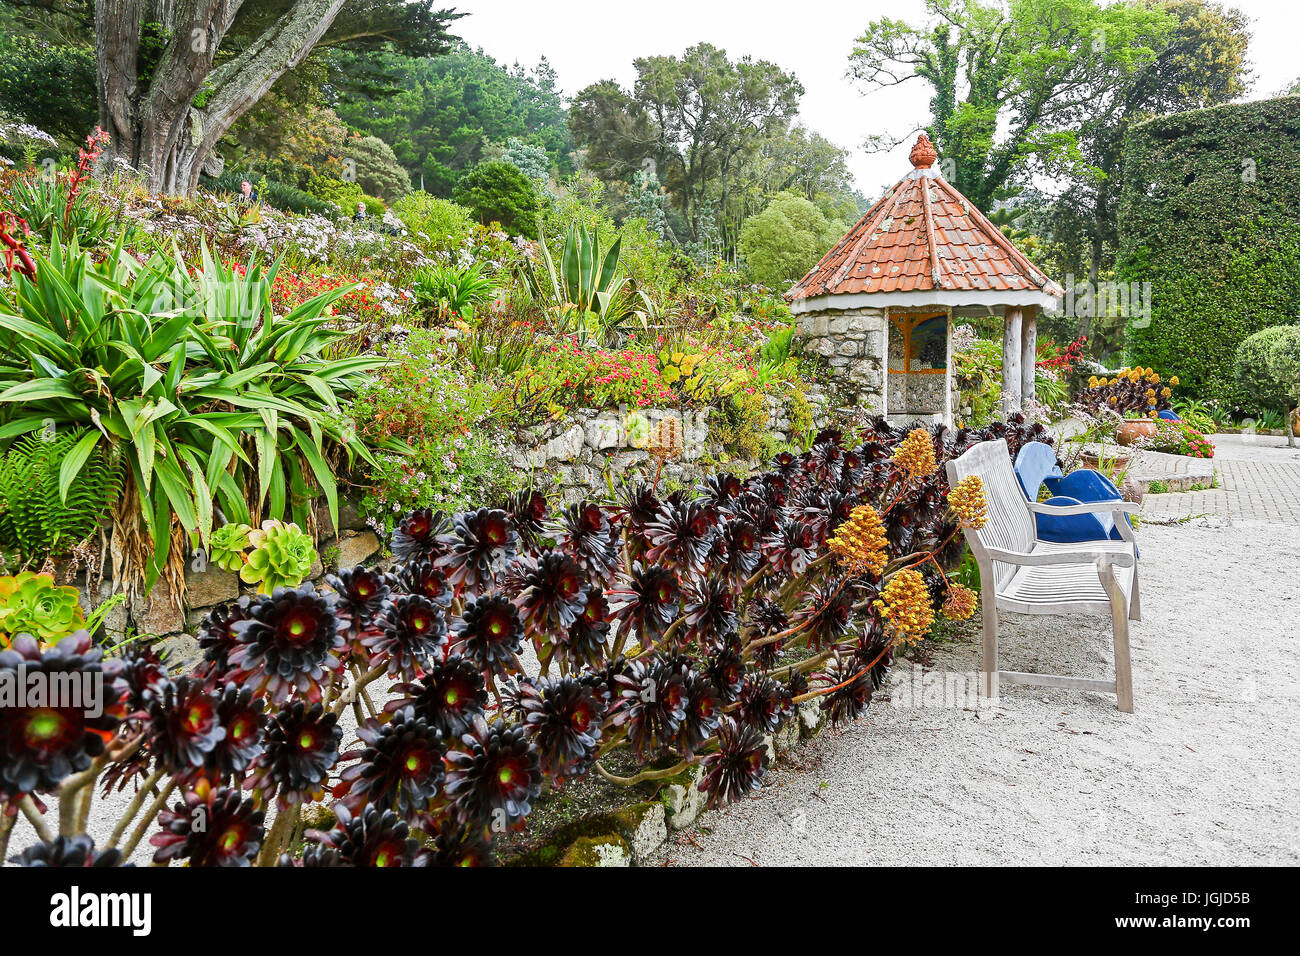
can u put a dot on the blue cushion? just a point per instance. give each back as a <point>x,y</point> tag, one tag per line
<point>1036,466</point>
<point>1069,528</point>
<point>1169,416</point>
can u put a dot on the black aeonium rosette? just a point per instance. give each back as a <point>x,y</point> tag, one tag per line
<point>562,717</point>
<point>408,634</point>
<point>479,546</point>
<point>489,634</point>
<point>417,535</point>
<point>184,727</point>
<point>359,595</point>
<point>449,696</point>
<point>74,851</point>
<point>301,747</point>
<point>554,593</point>
<point>225,829</point>
<point>401,765</point>
<point>371,836</point>
<point>290,641</point>
<point>494,776</point>
<point>42,741</point>
<point>737,767</point>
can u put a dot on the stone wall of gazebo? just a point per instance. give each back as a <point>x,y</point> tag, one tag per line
<point>853,343</point>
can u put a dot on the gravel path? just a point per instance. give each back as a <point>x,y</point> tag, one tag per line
<point>1206,772</point>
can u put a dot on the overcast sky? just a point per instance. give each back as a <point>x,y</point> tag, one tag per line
<point>589,40</point>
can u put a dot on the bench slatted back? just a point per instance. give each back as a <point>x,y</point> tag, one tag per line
<point>1010,524</point>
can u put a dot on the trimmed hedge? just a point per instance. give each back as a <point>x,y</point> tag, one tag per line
<point>1268,363</point>
<point>1210,215</point>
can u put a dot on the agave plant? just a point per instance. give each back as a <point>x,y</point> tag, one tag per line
<point>453,289</point>
<point>586,291</point>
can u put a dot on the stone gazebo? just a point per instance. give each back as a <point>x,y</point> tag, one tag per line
<point>880,306</point>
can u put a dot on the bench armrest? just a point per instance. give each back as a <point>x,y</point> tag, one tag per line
<point>1087,507</point>
<point>1117,559</point>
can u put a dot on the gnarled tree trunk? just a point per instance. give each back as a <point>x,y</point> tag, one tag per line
<point>168,125</point>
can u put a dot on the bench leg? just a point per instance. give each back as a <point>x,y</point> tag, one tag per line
<point>990,643</point>
<point>1135,603</point>
<point>1119,622</point>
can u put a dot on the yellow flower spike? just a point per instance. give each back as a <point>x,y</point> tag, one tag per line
<point>968,503</point>
<point>1112,399</point>
<point>1166,392</point>
<point>860,542</point>
<point>904,604</point>
<point>1173,380</point>
<point>960,604</point>
<point>1101,381</point>
<point>915,454</point>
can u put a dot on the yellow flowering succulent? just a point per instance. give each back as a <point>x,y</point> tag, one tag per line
<point>968,503</point>
<point>860,543</point>
<point>961,602</point>
<point>915,454</point>
<point>904,605</point>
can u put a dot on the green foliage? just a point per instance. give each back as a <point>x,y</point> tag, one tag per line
<point>437,225</point>
<point>1210,220</point>
<point>48,84</point>
<point>207,391</point>
<point>376,168</point>
<point>499,192</point>
<point>1268,369</point>
<point>643,255</point>
<point>786,239</point>
<point>453,289</point>
<point>281,556</point>
<point>33,604</point>
<point>42,201</point>
<point>442,115</point>
<point>37,521</point>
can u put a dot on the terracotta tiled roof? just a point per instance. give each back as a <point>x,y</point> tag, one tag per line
<point>922,234</point>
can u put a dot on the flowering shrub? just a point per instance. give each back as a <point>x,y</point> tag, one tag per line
<point>1178,438</point>
<point>572,377</point>
<point>1060,360</point>
<point>670,632</point>
<point>450,424</point>
<point>1130,391</point>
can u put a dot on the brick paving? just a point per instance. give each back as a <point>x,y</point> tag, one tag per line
<point>1258,478</point>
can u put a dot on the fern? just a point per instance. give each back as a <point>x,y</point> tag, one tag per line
<point>34,522</point>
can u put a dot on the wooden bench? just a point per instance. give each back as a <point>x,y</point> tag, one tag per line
<point>1020,573</point>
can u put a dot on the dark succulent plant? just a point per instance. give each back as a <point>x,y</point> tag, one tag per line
<point>588,636</point>
<point>767,618</point>
<point>460,846</point>
<point>480,545</point>
<point>681,535</point>
<point>651,703</point>
<point>638,505</point>
<point>489,634</point>
<point>242,718</point>
<point>791,548</point>
<point>288,642</point>
<point>554,593</point>
<point>301,748</point>
<point>740,551</point>
<point>417,535</point>
<point>528,511</point>
<point>651,597</point>
<point>727,670</point>
<point>42,743</point>
<point>401,765</point>
<point>144,672</point>
<point>360,595</point>
<point>495,776</point>
<point>764,705</point>
<point>719,490</point>
<point>222,830</point>
<point>449,696</point>
<point>703,712</point>
<point>737,767</point>
<point>73,851</point>
<point>852,691</point>
<point>562,718</point>
<point>584,532</point>
<point>826,613</point>
<point>370,836</point>
<point>423,579</point>
<point>408,635</point>
<point>711,611</point>
<point>185,726</point>
<point>217,635</point>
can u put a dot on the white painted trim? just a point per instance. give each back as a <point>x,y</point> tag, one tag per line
<point>936,297</point>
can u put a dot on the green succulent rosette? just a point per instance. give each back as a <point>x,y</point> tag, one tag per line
<point>32,603</point>
<point>227,546</point>
<point>282,556</point>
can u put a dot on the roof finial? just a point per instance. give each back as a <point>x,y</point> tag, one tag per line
<point>923,153</point>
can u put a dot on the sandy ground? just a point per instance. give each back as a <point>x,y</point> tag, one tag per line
<point>1207,771</point>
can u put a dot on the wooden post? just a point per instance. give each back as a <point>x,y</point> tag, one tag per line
<point>1028,353</point>
<point>1011,351</point>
